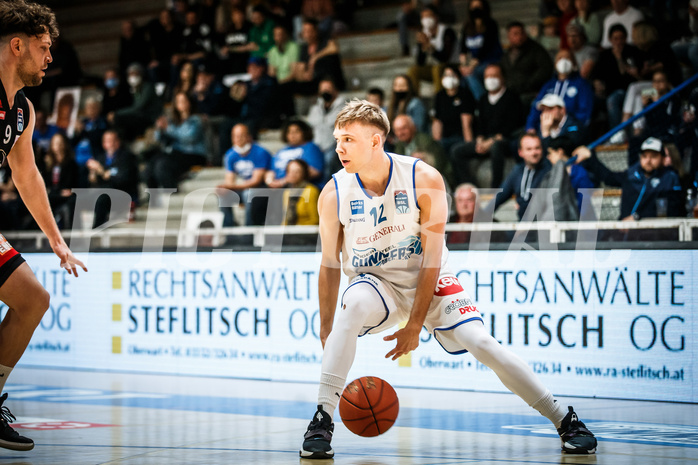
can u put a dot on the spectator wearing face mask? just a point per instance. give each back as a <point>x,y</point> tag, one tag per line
<point>500,116</point>
<point>404,101</point>
<point>574,90</point>
<point>321,118</point>
<point>454,107</point>
<point>132,121</point>
<point>115,95</point>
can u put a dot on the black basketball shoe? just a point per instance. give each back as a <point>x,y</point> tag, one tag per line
<point>316,442</point>
<point>9,438</point>
<point>576,438</point>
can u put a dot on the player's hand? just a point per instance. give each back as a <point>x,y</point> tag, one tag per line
<point>407,341</point>
<point>68,260</point>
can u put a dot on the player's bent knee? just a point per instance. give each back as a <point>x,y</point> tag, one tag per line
<point>39,304</point>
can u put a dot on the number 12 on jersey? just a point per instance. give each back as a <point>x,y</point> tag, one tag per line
<point>378,218</point>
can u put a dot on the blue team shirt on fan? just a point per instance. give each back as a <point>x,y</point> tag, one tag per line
<point>308,152</point>
<point>243,167</point>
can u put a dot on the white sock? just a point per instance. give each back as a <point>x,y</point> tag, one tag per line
<point>550,408</point>
<point>4,373</point>
<point>330,392</point>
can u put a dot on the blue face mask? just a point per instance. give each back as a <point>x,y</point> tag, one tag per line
<point>111,83</point>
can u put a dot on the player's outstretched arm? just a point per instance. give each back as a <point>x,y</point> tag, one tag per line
<point>30,186</point>
<point>330,268</point>
<point>433,211</point>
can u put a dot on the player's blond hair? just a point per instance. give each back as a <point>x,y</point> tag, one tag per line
<point>364,112</point>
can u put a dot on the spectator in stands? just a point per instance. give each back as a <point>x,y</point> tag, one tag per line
<point>500,116</point>
<point>662,122</point>
<point>454,107</point>
<point>556,123</point>
<point>548,35</point>
<point>525,63</point>
<point>165,38</point>
<point>479,45</point>
<point>649,189</point>
<point>615,69</point>
<point>588,20</point>
<point>255,97</point>
<point>208,92</point>
<point>409,18</point>
<point>410,142</point>
<point>87,139</point>
<point>233,44</point>
<point>686,48</point>
<point>574,90</point>
<point>584,54</point>
<point>196,44</point>
<point>567,13</point>
<point>319,57</point>
<point>43,133</point>
<point>186,81</point>
<point>299,137</point>
<point>525,176</point>
<point>245,164</point>
<point>466,210</point>
<point>133,48</point>
<point>132,121</point>
<point>283,56</point>
<point>301,207</point>
<point>623,14</point>
<point>404,101</point>
<point>322,11</point>
<point>114,168</point>
<point>321,118</point>
<point>559,151</point>
<point>376,96</point>
<point>115,95</point>
<point>656,56</point>
<point>61,175</point>
<point>261,32</point>
<point>183,145</point>
<point>437,46</point>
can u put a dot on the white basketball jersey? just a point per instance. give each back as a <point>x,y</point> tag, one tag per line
<point>382,235</point>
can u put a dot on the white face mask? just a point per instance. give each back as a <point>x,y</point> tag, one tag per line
<point>564,66</point>
<point>428,22</point>
<point>449,82</point>
<point>492,84</point>
<point>242,150</point>
<point>134,81</point>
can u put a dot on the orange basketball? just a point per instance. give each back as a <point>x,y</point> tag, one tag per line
<point>369,406</point>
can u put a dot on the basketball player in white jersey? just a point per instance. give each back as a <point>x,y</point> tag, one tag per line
<point>26,34</point>
<point>385,215</point>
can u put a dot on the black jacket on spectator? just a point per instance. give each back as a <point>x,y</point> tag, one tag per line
<point>640,191</point>
<point>606,69</point>
<point>448,110</point>
<point>164,44</point>
<point>512,185</point>
<point>530,70</point>
<point>133,50</point>
<point>329,65</point>
<point>504,117</point>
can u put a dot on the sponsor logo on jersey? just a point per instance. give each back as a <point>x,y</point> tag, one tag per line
<point>2,115</point>
<point>402,204</point>
<point>380,233</point>
<point>462,305</point>
<point>357,220</point>
<point>357,207</point>
<point>4,245</point>
<point>20,120</point>
<point>448,285</point>
<point>403,250</point>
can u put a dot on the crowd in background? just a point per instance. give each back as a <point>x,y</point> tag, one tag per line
<point>204,78</point>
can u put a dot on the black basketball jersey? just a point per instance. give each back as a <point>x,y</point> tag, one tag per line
<point>12,121</point>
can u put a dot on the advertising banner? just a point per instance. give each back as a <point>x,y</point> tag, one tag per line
<point>617,324</point>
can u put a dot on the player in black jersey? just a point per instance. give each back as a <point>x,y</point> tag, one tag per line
<point>27,31</point>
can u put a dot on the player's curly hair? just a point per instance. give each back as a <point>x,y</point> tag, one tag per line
<point>22,17</point>
<point>364,112</point>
